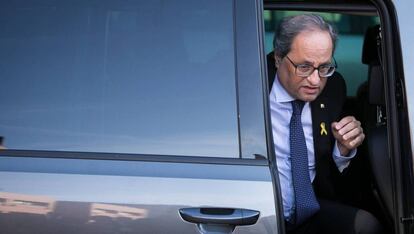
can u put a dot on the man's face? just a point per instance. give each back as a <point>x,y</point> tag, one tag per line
<point>313,48</point>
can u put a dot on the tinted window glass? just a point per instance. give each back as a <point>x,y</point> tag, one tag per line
<point>147,77</point>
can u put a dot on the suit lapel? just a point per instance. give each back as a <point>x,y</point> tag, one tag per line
<point>321,126</point>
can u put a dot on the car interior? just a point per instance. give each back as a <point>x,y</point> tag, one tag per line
<point>358,55</point>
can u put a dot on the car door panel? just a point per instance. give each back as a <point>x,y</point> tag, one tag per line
<point>106,196</point>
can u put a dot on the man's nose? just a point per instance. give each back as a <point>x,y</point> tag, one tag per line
<point>314,78</point>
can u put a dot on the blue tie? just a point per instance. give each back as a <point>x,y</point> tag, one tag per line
<point>305,199</point>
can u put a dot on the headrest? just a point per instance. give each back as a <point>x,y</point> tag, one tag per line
<point>370,54</point>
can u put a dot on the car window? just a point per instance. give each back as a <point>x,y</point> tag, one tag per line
<point>145,77</point>
<point>351,30</point>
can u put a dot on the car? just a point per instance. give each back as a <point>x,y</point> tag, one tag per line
<point>153,116</point>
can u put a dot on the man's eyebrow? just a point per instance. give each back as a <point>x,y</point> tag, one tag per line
<point>326,63</point>
<point>307,62</point>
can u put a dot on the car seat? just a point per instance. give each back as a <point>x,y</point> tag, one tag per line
<point>375,117</point>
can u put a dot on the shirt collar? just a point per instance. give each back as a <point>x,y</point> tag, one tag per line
<point>281,95</point>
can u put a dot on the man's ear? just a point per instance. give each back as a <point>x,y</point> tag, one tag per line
<point>277,61</point>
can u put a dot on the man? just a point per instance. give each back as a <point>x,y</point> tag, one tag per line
<point>313,144</point>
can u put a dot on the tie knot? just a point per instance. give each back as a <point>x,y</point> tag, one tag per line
<point>297,106</point>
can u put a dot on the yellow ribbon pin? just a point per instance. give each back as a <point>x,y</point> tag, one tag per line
<point>323,129</point>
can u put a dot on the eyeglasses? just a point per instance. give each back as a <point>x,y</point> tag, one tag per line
<point>305,70</point>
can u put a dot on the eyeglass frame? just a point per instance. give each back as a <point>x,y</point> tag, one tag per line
<point>335,66</point>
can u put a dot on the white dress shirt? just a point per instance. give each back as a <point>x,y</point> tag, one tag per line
<point>281,112</point>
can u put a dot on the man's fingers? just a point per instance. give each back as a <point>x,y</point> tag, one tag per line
<point>352,143</point>
<point>351,134</point>
<point>350,126</point>
<point>344,121</point>
<point>348,132</point>
<point>357,141</point>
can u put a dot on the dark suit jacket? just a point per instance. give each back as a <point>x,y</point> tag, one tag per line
<point>326,108</point>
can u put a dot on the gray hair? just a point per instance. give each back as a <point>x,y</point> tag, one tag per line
<point>291,26</point>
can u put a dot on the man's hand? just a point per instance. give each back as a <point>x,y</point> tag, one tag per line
<point>348,133</point>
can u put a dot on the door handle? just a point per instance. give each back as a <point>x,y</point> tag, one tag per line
<point>228,216</point>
